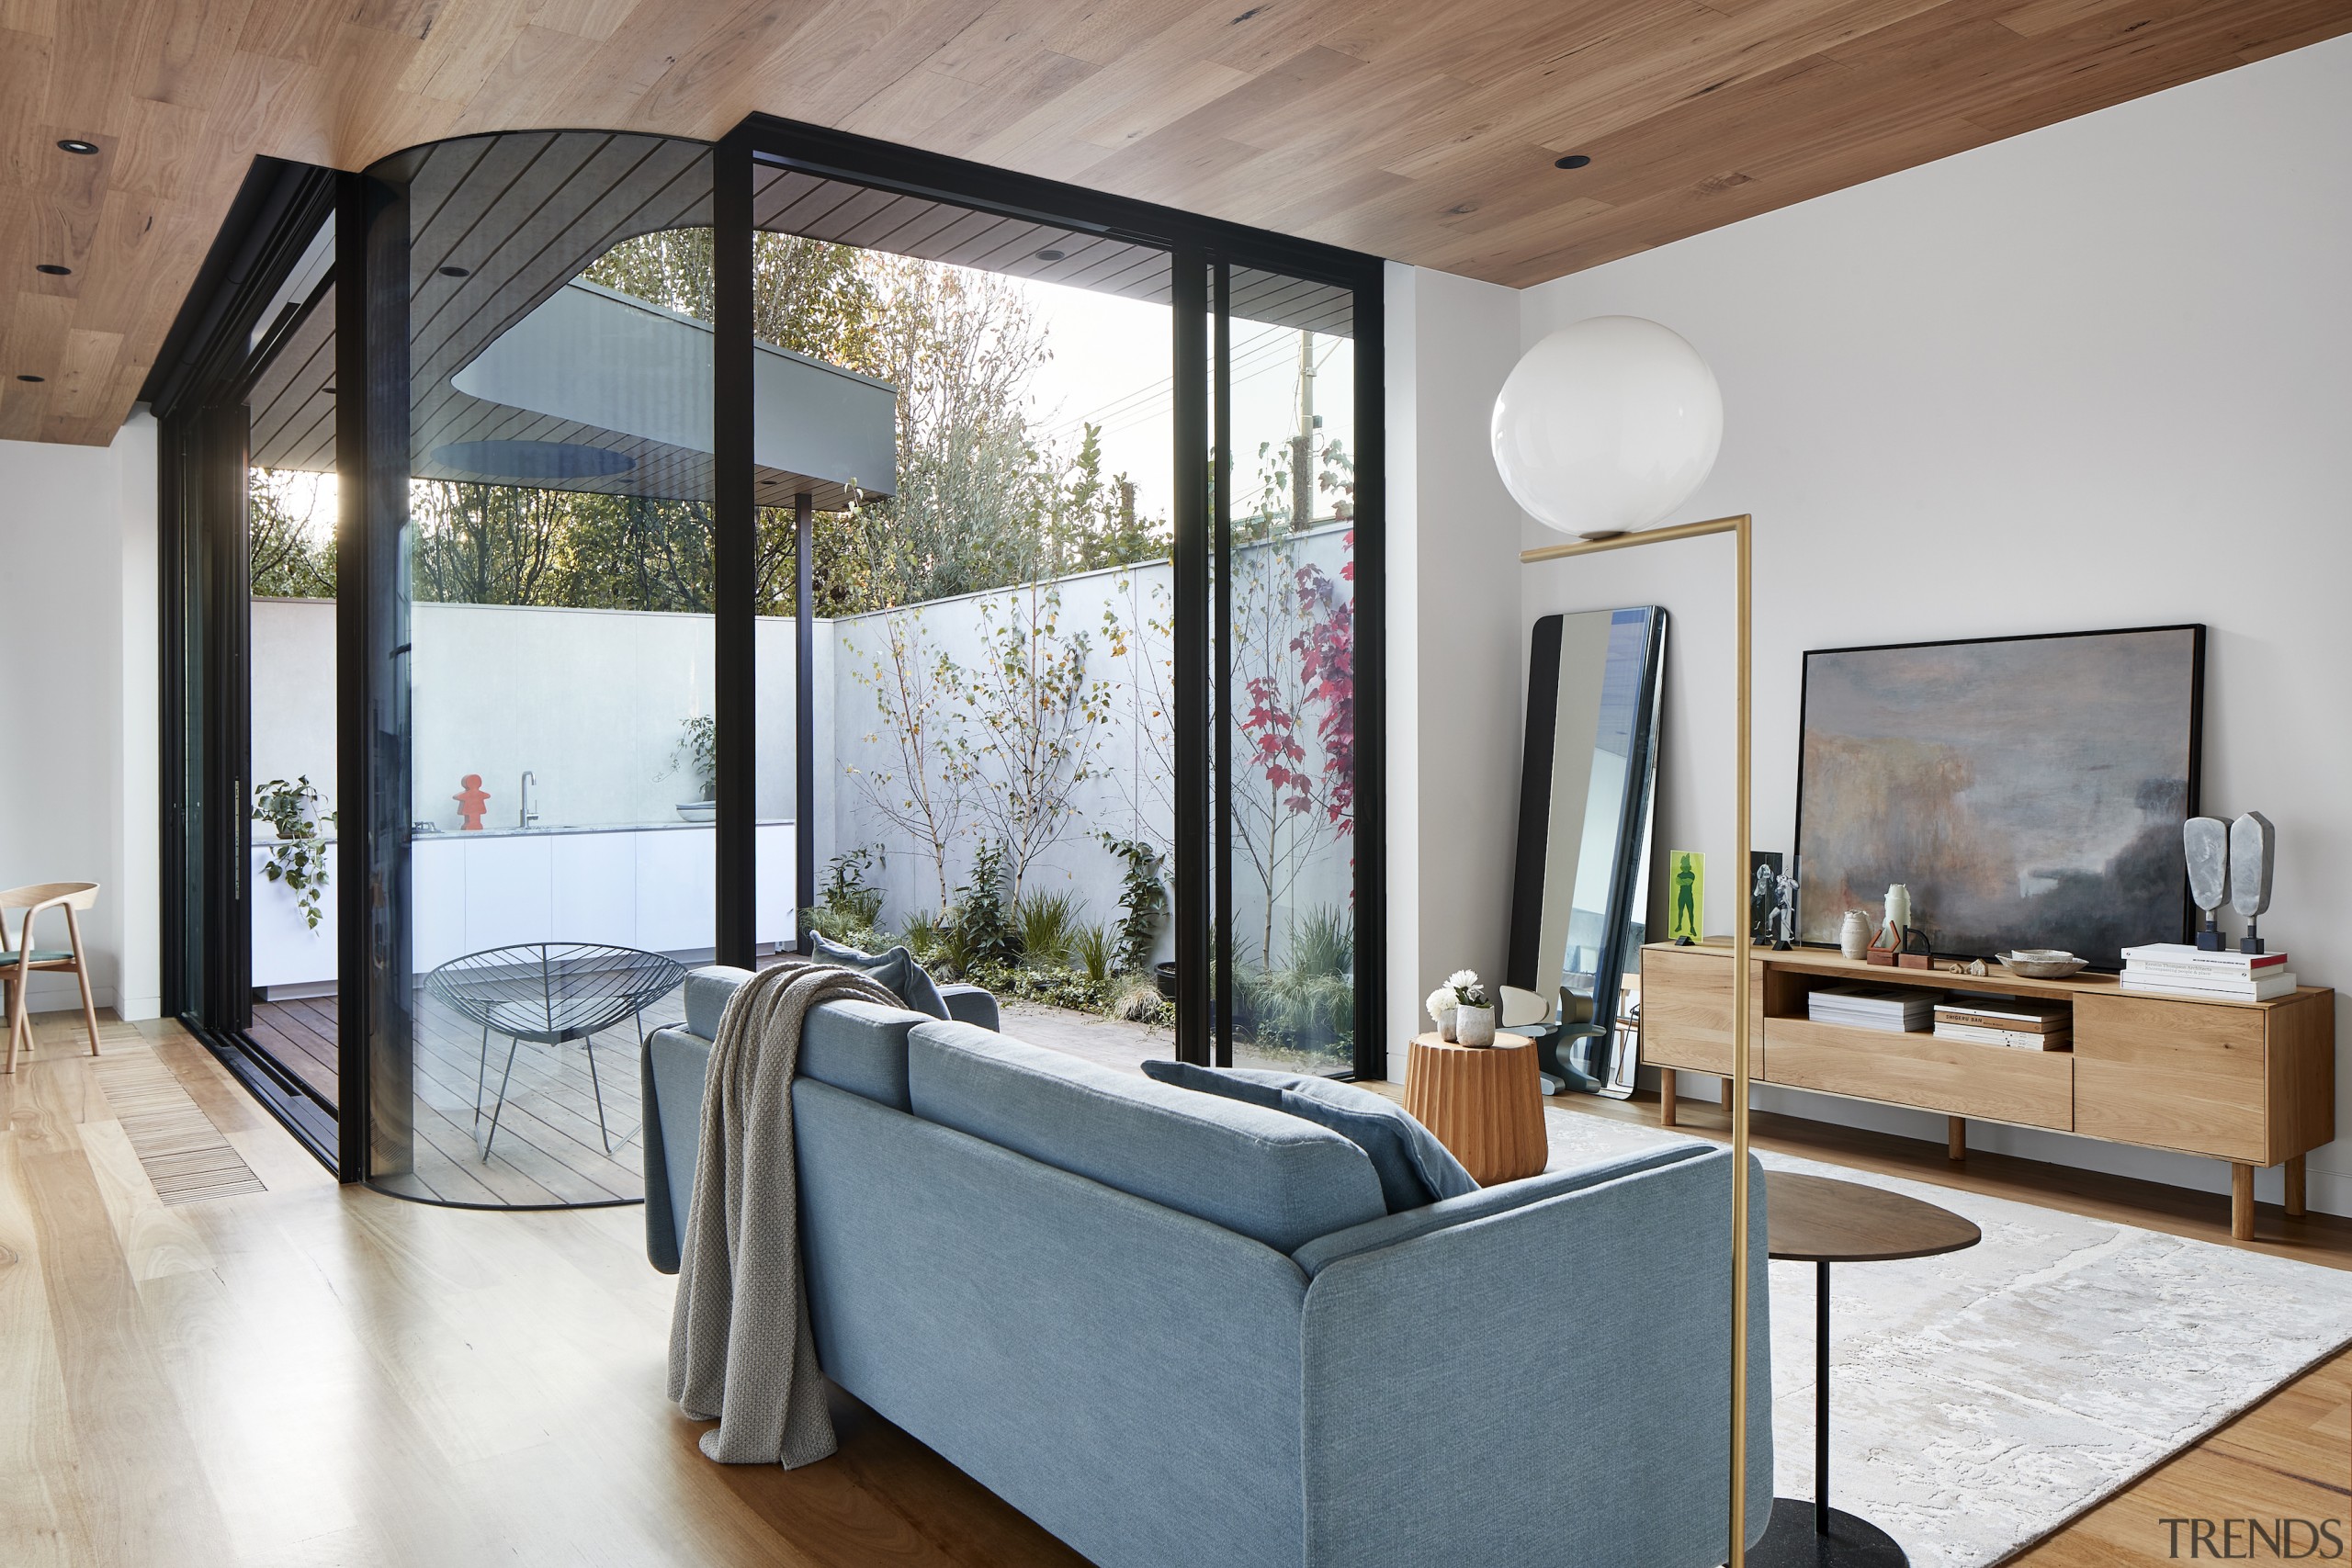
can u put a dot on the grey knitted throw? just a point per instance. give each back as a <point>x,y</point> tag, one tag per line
<point>740,1343</point>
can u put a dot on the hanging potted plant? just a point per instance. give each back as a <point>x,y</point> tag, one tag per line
<point>299,858</point>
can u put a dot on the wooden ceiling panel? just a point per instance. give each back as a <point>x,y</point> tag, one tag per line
<point>1418,131</point>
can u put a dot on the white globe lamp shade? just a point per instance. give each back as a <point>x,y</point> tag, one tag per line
<point>1606,425</point>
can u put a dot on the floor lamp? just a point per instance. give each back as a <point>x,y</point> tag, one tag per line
<point>1738,528</point>
<point>1602,429</point>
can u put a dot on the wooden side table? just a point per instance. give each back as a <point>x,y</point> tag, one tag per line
<point>1484,1102</point>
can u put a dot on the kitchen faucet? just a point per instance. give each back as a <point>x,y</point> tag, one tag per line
<point>530,812</point>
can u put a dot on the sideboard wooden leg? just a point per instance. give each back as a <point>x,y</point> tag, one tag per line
<point>2295,1185</point>
<point>1955,1137</point>
<point>1731,1087</point>
<point>1666,1097</point>
<point>2241,1201</point>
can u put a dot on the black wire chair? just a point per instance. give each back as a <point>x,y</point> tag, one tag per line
<point>552,993</point>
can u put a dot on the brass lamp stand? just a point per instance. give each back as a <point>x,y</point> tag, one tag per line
<point>1738,528</point>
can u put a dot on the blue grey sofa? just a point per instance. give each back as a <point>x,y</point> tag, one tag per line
<point>1177,1329</point>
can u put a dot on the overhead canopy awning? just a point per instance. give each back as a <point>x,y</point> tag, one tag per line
<point>596,390</point>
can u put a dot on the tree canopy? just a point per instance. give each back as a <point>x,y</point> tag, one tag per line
<point>985,499</point>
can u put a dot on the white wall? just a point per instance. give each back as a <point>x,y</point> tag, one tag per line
<point>1455,668</point>
<point>2094,375</point>
<point>78,707</point>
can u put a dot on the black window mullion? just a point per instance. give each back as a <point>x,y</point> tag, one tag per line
<point>1370,658</point>
<point>1190,522</point>
<point>735,548</point>
<point>1221,533</point>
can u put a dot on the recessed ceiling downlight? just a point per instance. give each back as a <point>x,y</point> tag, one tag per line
<point>52,270</point>
<point>1049,254</point>
<point>456,272</point>
<point>1573,161</point>
<point>532,460</point>
<point>33,378</point>
<point>75,144</point>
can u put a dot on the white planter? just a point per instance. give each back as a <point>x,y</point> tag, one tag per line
<point>1474,1026</point>
<point>1445,1018</point>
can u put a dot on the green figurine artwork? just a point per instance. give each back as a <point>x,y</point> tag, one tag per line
<point>1688,875</point>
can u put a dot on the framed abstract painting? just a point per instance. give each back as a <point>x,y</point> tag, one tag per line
<point>2030,791</point>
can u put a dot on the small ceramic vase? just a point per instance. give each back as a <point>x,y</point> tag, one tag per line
<point>1445,1019</point>
<point>1854,936</point>
<point>1474,1026</point>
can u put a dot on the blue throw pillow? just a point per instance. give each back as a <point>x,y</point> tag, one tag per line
<point>1415,1169</point>
<point>895,971</point>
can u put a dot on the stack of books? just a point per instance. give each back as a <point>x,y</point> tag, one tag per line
<point>2177,969</point>
<point>1897,1010</point>
<point>2022,1023</point>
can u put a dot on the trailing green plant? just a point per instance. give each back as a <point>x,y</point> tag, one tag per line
<point>299,858</point>
<point>1093,954</point>
<point>1047,923</point>
<point>985,934</point>
<point>697,752</point>
<point>1142,897</point>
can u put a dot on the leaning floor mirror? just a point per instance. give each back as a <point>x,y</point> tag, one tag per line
<point>1580,889</point>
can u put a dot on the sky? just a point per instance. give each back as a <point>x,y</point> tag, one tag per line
<point>1111,365</point>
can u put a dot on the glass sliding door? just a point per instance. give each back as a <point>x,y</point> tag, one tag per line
<point>556,574</point>
<point>962,458</point>
<point>291,499</point>
<point>246,411</point>
<point>1285,624</point>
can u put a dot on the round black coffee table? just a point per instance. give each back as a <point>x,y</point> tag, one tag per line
<point>1816,1220</point>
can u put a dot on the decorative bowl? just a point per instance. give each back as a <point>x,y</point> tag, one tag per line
<point>2042,963</point>
<point>697,811</point>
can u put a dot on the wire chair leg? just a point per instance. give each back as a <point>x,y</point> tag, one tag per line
<point>589,1045</point>
<point>481,1073</point>
<point>500,1106</point>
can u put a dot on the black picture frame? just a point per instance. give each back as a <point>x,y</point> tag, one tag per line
<point>2178,925</point>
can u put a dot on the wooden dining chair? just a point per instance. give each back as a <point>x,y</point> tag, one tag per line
<point>21,962</point>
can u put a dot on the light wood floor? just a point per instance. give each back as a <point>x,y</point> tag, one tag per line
<point>312,1375</point>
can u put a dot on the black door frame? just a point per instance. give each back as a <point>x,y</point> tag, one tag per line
<point>209,361</point>
<point>1202,253</point>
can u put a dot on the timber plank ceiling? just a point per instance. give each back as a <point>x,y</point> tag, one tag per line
<point>1424,131</point>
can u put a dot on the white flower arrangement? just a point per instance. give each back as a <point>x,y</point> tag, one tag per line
<point>1461,989</point>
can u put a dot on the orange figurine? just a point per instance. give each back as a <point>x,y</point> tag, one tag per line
<point>473,801</point>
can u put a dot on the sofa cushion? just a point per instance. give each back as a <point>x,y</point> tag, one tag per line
<point>859,1046</point>
<point>708,990</point>
<point>1274,1178</point>
<point>1415,1169</point>
<point>896,971</point>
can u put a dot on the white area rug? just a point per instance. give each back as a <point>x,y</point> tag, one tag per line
<point>1980,1400</point>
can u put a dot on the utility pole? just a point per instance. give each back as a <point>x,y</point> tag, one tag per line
<point>1302,459</point>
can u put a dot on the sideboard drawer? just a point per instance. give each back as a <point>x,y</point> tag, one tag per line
<point>2175,1075</point>
<point>2034,1088</point>
<point>1686,1011</point>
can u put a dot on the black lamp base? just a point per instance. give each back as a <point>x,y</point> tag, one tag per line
<point>1790,1541</point>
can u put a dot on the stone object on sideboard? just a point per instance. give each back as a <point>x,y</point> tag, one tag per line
<point>2205,844</point>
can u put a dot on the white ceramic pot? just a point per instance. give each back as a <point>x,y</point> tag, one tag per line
<point>1445,1023</point>
<point>1474,1026</point>
<point>1854,936</point>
